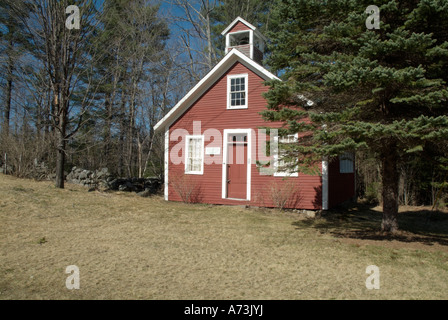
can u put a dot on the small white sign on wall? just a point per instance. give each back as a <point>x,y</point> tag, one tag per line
<point>212,150</point>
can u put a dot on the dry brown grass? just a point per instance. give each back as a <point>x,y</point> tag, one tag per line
<point>128,247</point>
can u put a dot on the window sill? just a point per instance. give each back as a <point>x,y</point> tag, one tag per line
<point>236,108</point>
<point>285,174</point>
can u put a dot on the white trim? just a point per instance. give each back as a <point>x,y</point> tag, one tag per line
<point>239,31</point>
<point>226,133</point>
<point>250,26</point>
<point>234,22</point>
<point>324,184</point>
<point>246,86</point>
<point>228,42</point>
<point>166,162</point>
<point>252,35</point>
<point>283,173</point>
<point>233,56</point>
<point>251,45</point>
<point>187,141</point>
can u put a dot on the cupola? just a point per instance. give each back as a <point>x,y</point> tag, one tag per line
<point>246,38</point>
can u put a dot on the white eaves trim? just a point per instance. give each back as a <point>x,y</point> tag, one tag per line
<point>234,22</point>
<point>229,59</point>
<point>250,26</point>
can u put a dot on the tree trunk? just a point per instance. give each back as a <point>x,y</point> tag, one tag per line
<point>107,134</point>
<point>8,88</point>
<point>390,179</point>
<point>121,139</point>
<point>7,114</point>
<point>60,162</point>
<point>209,40</point>
<point>61,121</point>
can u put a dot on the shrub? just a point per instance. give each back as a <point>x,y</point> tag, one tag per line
<point>284,193</point>
<point>186,187</point>
<point>372,194</point>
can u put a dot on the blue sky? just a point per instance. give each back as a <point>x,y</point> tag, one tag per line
<point>167,11</point>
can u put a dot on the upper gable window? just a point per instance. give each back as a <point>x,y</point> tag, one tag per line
<point>237,91</point>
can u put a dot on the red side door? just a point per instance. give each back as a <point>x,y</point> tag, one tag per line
<point>237,166</point>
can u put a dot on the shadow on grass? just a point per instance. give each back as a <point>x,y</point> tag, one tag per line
<point>358,221</point>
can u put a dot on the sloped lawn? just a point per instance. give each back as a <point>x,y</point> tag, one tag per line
<point>128,247</point>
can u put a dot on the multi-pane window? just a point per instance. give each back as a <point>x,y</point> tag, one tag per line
<point>346,162</point>
<point>194,158</point>
<point>282,167</point>
<point>237,90</point>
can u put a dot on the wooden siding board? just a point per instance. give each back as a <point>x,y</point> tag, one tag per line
<point>211,110</point>
<point>239,26</point>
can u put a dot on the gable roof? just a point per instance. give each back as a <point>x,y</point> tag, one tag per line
<point>229,60</point>
<point>250,26</point>
<point>234,22</point>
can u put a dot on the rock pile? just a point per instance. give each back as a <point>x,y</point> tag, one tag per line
<point>97,178</point>
<point>143,186</point>
<point>103,179</point>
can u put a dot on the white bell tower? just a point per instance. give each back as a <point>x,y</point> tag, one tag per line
<point>243,36</point>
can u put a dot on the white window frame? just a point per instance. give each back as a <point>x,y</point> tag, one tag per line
<point>246,86</point>
<point>276,159</point>
<point>187,144</point>
<point>347,162</point>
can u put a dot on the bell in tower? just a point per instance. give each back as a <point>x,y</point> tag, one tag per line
<point>243,36</point>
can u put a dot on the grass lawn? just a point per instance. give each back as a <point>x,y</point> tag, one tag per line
<point>128,247</point>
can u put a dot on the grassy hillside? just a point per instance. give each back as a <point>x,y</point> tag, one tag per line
<point>128,247</point>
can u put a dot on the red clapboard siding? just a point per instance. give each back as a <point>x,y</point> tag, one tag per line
<point>239,26</point>
<point>245,48</point>
<point>211,110</point>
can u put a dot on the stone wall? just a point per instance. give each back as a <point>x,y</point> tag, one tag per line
<point>102,179</point>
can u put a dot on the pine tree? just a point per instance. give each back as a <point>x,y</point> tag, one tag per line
<point>383,90</point>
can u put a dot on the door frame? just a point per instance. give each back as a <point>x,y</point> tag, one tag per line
<point>226,133</point>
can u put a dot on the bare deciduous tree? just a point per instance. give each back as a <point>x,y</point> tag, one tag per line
<point>64,54</point>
